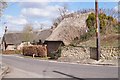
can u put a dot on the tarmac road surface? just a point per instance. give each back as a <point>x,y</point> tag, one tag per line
<point>50,69</point>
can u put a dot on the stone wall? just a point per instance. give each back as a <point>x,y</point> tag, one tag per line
<point>110,53</point>
<point>73,54</point>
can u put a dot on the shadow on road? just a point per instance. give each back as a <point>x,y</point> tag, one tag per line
<point>76,78</point>
<point>71,76</point>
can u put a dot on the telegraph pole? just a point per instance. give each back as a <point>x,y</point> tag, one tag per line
<point>5,35</point>
<point>97,30</point>
<point>5,29</point>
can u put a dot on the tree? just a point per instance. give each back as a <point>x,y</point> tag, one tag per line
<point>3,5</point>
<point>63,11</point>
<point>28,33</point>
<point>103,22</point>
<point>110,12</point>
<point>42,26</point>
<point>106,23</point>
<point>90,22</point>
<point>111,19</point>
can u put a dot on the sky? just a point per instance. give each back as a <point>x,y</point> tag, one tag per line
<point>17,14</point>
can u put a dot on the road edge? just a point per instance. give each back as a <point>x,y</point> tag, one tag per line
<point>4,71</point>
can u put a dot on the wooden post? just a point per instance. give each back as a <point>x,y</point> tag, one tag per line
<point>33,55</point>
<point>97,30</point>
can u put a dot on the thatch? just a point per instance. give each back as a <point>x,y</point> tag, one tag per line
<point>17,38</point>
<point>13,38</point>
<point>69,29</point>
<point>43,35</point>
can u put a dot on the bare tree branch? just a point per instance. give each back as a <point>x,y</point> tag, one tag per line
<point>3,5</point>
<point>28,33</point>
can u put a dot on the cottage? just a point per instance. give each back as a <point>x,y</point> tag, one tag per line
<point>10,41</point>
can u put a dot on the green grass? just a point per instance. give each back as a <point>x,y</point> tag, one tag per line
<point>41,58</point>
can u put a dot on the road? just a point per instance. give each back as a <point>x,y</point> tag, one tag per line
<point>50,69</point>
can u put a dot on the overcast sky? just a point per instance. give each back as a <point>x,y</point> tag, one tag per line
<point>17,14</point>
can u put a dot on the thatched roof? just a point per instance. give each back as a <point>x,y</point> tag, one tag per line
<point>69,29</point>
<point>17,38</point>
<point>13,38</point>
<point>43,35</point>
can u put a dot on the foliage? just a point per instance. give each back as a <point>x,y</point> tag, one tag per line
<point>106,22</point>
<point>85,36</point>
<point>107,25</point>
<point>117,28</point>
<point>27,33</point>
<point>55,54</point>
<point>18,51</point>
<point>103,22</point>
<point>90,22</point>
<point>38,50</point>
<point>11,52</point>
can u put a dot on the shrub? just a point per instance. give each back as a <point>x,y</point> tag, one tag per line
<point>11,52</point>
<point>18,51</point>
<point>87,35</point>
<point>55,54</point>
<point>38,50</point>
<point>106,22</point>
<point>117,29</point>
<point>8,52</point>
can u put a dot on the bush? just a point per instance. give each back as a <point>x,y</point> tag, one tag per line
<point>18,51</point>
<point>87,35</point>
<point>38,50</point>
<point>117,29</point>
<point>8,52</point>
<point>55,54</point>
<point>106,22</point>
<point>11,52</point>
